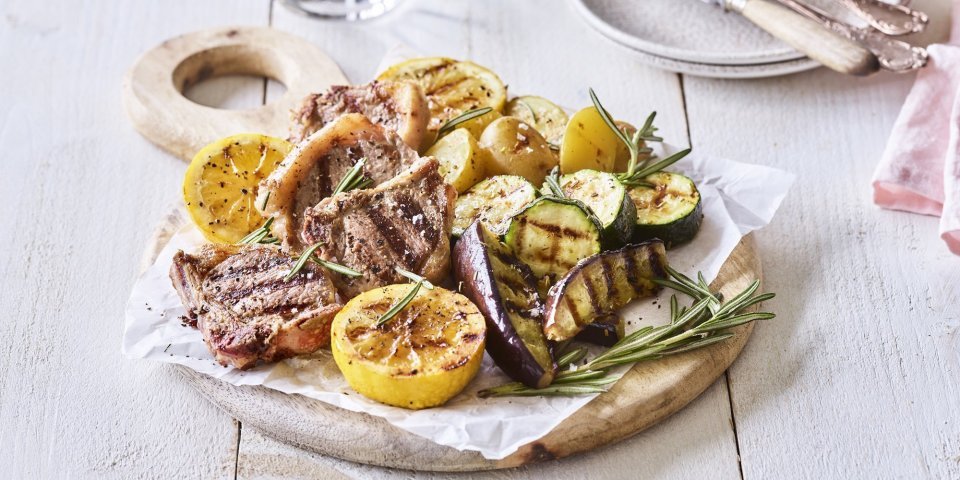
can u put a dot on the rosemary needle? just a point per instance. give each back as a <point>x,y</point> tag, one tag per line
<point>414,277</point>
<point>399,306</point>
<point>464,117</point>
<point>419,282</point>
<point>304,258</point>
<point>307,256</point>
<point>336,267</point>
<point>353,179</point>
<point>571,357</point>
<point>258,235</point>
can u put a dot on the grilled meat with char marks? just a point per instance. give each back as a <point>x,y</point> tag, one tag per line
<point>397,106</point>
<point>404,223</point>
<point>245,309</point>
<point>313,169</point>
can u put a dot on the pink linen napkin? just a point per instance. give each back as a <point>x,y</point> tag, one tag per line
<point>920,169</point>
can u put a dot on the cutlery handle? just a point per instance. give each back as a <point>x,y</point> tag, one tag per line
<point>827,47</point>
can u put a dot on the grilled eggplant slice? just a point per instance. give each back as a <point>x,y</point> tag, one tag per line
<point>494,201</point>
<point>607,199</point>
<point>552,235</point>
<point>670,210</point>
<point>504,290</point>
<point>604,331</point>
<point>601,285</point>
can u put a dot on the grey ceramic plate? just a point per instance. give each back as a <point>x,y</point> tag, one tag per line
<point>692,31</point>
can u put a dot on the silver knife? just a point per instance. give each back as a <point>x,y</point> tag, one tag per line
<point>833,50</point>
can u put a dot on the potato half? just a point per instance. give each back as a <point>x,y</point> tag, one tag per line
<point>517,149</point>
<point>462,161</point>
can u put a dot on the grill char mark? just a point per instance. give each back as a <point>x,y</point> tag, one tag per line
<point>257,316</point>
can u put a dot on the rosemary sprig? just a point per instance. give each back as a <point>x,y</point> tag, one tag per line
<point>703,323</point>
<point>399,306</point>
<point>463,117</point>
<point>266,198</point>
<point>637,169</point>
<point>553,182</point>
<point>260,235</point>
<point>308,255</point>
<point>353,179</point>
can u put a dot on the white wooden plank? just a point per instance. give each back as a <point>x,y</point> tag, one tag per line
<point>858,376</point>
<point>79,195</point>
<point>559,58</point>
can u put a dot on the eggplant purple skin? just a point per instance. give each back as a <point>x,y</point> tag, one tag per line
<point>604,331</point>
<point>471,265</point>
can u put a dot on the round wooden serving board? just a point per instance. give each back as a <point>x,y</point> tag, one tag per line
<point>647,394</point>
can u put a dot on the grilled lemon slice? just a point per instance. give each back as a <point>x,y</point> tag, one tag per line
<point>421,358</point>
<point>452,87</point>
<point>462,161</point>
<point>220,186</point>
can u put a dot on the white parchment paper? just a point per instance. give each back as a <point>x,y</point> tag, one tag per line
<point>738,198</point>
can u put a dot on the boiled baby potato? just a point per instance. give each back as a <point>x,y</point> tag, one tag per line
<point>544,115</point>
<point>588,143</point>
<point>462,161</point>
<point>422,357</point>
<point>452,87</point>
<point>517,149</point>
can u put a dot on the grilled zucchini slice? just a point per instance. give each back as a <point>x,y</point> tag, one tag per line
<point>549,119</point>
<point>494,201</point>
<point>601,285</point>
<point>670,210</point>
<point>552,235</point>
<point>504,289</point>
<point>607,199</point>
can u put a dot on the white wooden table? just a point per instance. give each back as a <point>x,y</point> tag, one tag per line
<point>858,377</point>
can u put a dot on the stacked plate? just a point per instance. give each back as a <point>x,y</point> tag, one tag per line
<point>693,37</point>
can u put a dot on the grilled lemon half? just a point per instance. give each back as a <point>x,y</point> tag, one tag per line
<point>421,358</point>
<point>451,86</point>
<point>220,186</point>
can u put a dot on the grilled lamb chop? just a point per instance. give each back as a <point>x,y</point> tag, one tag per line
<point>397,106</point>
<point>245,309</point>
<point>313,169</point>
<point>404,222</point>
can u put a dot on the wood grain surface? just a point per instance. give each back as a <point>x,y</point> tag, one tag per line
<point>859,375</point>
<point>647,393</point>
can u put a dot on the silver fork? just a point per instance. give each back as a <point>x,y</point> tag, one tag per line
<point>888,18</point>
<point>894,55</point>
